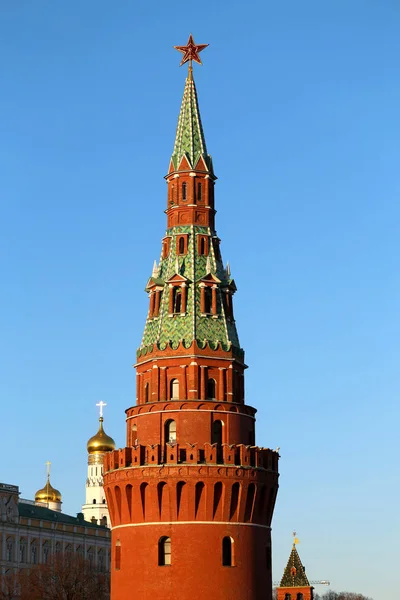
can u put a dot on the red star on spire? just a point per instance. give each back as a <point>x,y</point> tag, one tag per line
<point>191,51</point>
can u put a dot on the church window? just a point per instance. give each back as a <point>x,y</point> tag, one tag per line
<point>164,552</point>
<point>211,387</point>
<point>174,389</point>
<point>181,245</point>
<point>207,300</point>
<point>227,552</point>
<point>46,551</point>
<point>100,560</point>
<point>199,198</point>
<point>22,550</point>
<point>217,432</point>
<point>94,500</point>
<point>203,246</point>
<point>170,431</point>
<point>300,596</point>
<point>146,392</point>
<point>10,546</point>
<point>288,596</point>
<point>33,553</point>
<point>177,300</point>
<point>184,186</point>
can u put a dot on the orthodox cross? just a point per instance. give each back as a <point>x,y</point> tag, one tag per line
<point>191,52</point>
<point>48,465</point>
<point>101,404</point>
<point>295,539</point>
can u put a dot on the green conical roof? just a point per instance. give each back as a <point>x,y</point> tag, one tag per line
<point>294,574</point>
<point>192,268</point>
<point>189,139</point>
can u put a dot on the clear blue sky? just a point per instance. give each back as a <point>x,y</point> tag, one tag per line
<point>300,106</point>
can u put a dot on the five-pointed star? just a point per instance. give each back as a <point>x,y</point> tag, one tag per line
<point>191,51</point>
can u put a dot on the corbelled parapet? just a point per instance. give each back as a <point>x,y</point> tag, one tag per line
<point>190,454</point>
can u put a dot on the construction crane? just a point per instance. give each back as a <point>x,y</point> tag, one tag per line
<point>319,582</point>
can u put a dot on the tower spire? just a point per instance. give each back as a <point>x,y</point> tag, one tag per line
<point>294,580</point>
<point>189,140</point>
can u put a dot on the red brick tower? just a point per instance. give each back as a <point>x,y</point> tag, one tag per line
<point>294,583</point>
<point>191,497</point>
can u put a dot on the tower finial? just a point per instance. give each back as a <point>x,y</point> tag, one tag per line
<point>48,465</point>
<point>100,405</point>
<point>295,538</point>
<point>191,53</point>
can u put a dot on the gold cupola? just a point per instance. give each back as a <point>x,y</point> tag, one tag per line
<point>48,493</point>
<point>101,442</point>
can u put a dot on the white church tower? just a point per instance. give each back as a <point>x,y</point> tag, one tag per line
<point>95,508</point>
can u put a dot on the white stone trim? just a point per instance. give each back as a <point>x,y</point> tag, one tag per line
<point>167,523</point>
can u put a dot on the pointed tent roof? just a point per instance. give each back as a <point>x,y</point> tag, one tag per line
<point>294,574</point>
<point>189,140</point>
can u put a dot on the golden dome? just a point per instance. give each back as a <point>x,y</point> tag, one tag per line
<point>101,442</point>
<point>48,493</point>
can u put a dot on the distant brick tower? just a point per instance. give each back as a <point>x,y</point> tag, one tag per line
<point>294,583</point>
<point>191,497</point>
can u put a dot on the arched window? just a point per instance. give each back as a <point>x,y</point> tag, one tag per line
<point>33,552</point>
<point>10,547</point>
<point>199,192</point>
<point>288,596</point>
<point>300,596</point>
<point>22,550</point>
<point>181,245</point>
<point>146,392</point>
<point>217,432</point>
<point>174,389</point>
<point>227,552</point>
<point>170,431</point>
<point>202,250</point>
<point>134,435</point>
<point>164,552</point>
<point>207,299</point>
<point>177,300</point>
<point>211,387</point>
<point>118,555</point>
<point>184,190</point>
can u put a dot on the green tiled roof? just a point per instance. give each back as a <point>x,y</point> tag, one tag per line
<point>294,574</point>
<point>189,140</point>
<point>165,329</point>
<point>191,326</point>
<point>32,511</point>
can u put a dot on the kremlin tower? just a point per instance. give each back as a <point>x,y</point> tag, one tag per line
<point>191,496</point>
<point>95,508</point>
<point>294,583</point>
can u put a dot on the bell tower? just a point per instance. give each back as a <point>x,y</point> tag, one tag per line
<point>191,496</point>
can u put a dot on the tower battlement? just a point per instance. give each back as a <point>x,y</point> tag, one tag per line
<point>239,455</point>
